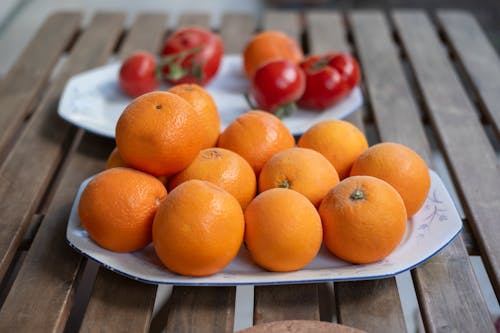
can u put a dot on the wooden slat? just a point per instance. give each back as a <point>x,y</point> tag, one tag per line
<point>397,118</point>
<point>283,304</point>
<point>34,158</point>
<point>235,30</point>
<point>21,85</point>
<point>118,303</point>
<point>196,19</point>
<point>197,309</point>
<point>288,22</point>
<point>326,32</point>
<point>477,57</point>
<point>363,305</point>
<point>201,309</point>
<point>472,160</point>
<point>286,302</point>
<point>42,294</point>
<point>146,33</point>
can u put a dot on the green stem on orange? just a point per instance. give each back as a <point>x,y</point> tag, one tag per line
<point>357,194</point>
<point>285,184</point>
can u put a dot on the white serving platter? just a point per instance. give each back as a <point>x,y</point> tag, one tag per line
<point>94,101</point>
<point>430,230</point>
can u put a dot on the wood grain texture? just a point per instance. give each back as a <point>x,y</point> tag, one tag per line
<point>286,302</point>
<point>120,304</point>
<point>34,158</point>
<point>351,312</point>
<point>146,33</point>
<point>41,296</point>
<point>196,19</point>
<point>372,305</point>
<point>235,31</point>
<point>201,309</point>
<point>478,58</point>
<point>289,22</point>
<point>26,79</point>
<point>448,292</point>
<point>472,159</point>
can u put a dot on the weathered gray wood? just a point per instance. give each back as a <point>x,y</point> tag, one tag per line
<point>285,21</point>
<point>118,303</point>
<point>472,159</point>
<point>201,309</point>
<point>194,19</point>
<point>327,33</point>
<point>30,165</point>
<point>286,302</point>
<point>41,296</point>
<point>477,57</point>
<point>146,33</point>
<point>26,79</point>
<point>372,305</point>
<point>235,31</point>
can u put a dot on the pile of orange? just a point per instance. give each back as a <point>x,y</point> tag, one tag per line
<point>251,182</point>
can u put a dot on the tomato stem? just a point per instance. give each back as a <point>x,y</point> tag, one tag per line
<point>285,110</point>
<point>174,64</point>
<point>249,101</point>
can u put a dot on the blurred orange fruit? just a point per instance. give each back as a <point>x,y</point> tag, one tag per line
<point>282,230</point>
<point>198,229</point>
<point>159,132</point>
<point>117,208</point>
<point>224,168</point>
<point>303,170</point>
<point>256,135</point>
<point>364,219</point>
<point>339,141</point>
<point>401,167</point>
<point>205,106</point>
<point>267,46</point>
<point>115,160</point>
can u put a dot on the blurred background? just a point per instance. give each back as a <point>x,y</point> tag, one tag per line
<point>20,18</point>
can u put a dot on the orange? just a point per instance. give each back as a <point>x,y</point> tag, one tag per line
<point>303,170</point>
<point>267,46</point>
<point>224,168</point>
<point>401,167</point>
<point>339,141</point>
<point>257,136</point>
<point>205,107</point>
<point>198,229</point>
<point>364,219</point>
<point>282,230</point>
<point>115,160</point>
<point>159,132</point>
<point>117,208</point>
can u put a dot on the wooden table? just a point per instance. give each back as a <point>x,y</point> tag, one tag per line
<point>431,82</point>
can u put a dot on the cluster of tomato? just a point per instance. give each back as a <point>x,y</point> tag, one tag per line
<point>190,55</point>
<point>193,55</point>
<point>316,82</point>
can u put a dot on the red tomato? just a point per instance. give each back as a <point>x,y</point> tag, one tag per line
<point>277,84</point>
<point>192,55</point>
<point>329,79</point>
<point>138,74</point>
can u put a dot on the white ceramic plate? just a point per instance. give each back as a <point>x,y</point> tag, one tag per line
<point>94,101</point>
<point>431,229</point>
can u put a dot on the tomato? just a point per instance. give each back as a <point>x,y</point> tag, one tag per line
<point>138,74</point>
<point>191,55</point>
<point>329,79</point>
<point>277,84</point>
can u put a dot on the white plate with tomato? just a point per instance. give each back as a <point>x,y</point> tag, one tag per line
<point>435,225</point>
<point>93,100</point>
